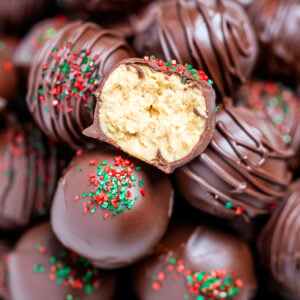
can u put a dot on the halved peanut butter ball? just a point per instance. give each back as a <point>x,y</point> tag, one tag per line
<point>159,112</point>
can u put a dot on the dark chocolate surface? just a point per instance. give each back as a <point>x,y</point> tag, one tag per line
<point>214,36</point>
<point>110,224</point>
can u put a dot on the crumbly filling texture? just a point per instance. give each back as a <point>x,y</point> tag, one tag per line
<point>153,117</point>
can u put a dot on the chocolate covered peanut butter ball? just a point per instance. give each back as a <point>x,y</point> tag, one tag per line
<point>160,112</point>
<point>215,36</point>
<point>111,208</point>
<point>41,268</point>
<point>65,74</point>
<point>197,263</point>
<point>243,174</point>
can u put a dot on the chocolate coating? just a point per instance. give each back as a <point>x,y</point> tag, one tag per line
<point>186,75</point>
<point>28,174</point>
<point>234,177</point>
<point>8,45</point>
<point>8,78</point>
<point>215,36</point>
<point>279,242</point>
<point>186,251</point>
<point>41,268</point>
<point>62,106</point>
<point>277,104</point>
<point>17,15</point>
<point>109,235</point>
<point>34,40</point>
<point>276,23</point>
<point>94,8</point>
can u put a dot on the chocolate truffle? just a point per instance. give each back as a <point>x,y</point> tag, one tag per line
<point>243,173</point>
<point>34,40</point>
<point>161,113</point>
<point>197,263</point>
<point>65,74</point>
<point>96,7</point>
<point>277,104</point>
<point>110,208</point>
<point>215,36</point>
<point>276,23</point>
<point>279,242</point>
<point>28,174</point>
<point>41,268</point>
<point>17,15</point>
<point>8,78</point>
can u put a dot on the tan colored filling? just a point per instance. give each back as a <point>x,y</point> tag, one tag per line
<point>151,114</point>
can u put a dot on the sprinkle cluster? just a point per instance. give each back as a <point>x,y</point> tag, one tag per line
<point>71,270</point>
<point>111,186</point>
<point>75,73</point>
<point>273,102</point>
<point>201,286</point>
<point>172,65</point>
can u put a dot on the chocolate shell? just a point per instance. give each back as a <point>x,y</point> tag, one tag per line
<point>16,16</point>
<point>65,74</point>
<point>277,104</point>
<point>39,34</point>
<point>214,36</point>
<point>243,173</point>
<point>110,208</point>
<point>279,243</point>
<point>8,78</point>
<point>197,263</point>
<point>276,23</point>
<point>41,268</point>
<point>28,175</point>
<point>159,112</point>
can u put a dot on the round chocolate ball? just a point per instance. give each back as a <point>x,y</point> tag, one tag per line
<point>65,74</point>
<point>38,35</point>
<point>235,176</point>
<point>8,78</point>
<point>96,7</point>
<point>276,24</point>
<point>279,243</point>
<point>197,263</point>
<point>110,208</point>
<point>214,36</point>
<point>28,175</point>
<point>277,104</point>
<point>17,15</point>
<point>41,268</point>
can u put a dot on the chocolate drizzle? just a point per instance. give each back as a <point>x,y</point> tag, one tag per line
<point>64,119</point>
<point>279,242</point>
<point>28,174</point>
<point>235,175</point>
<point>215,38</point>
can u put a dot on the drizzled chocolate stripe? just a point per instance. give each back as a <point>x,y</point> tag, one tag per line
<point>236,173</point>
<point>216,38</point>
